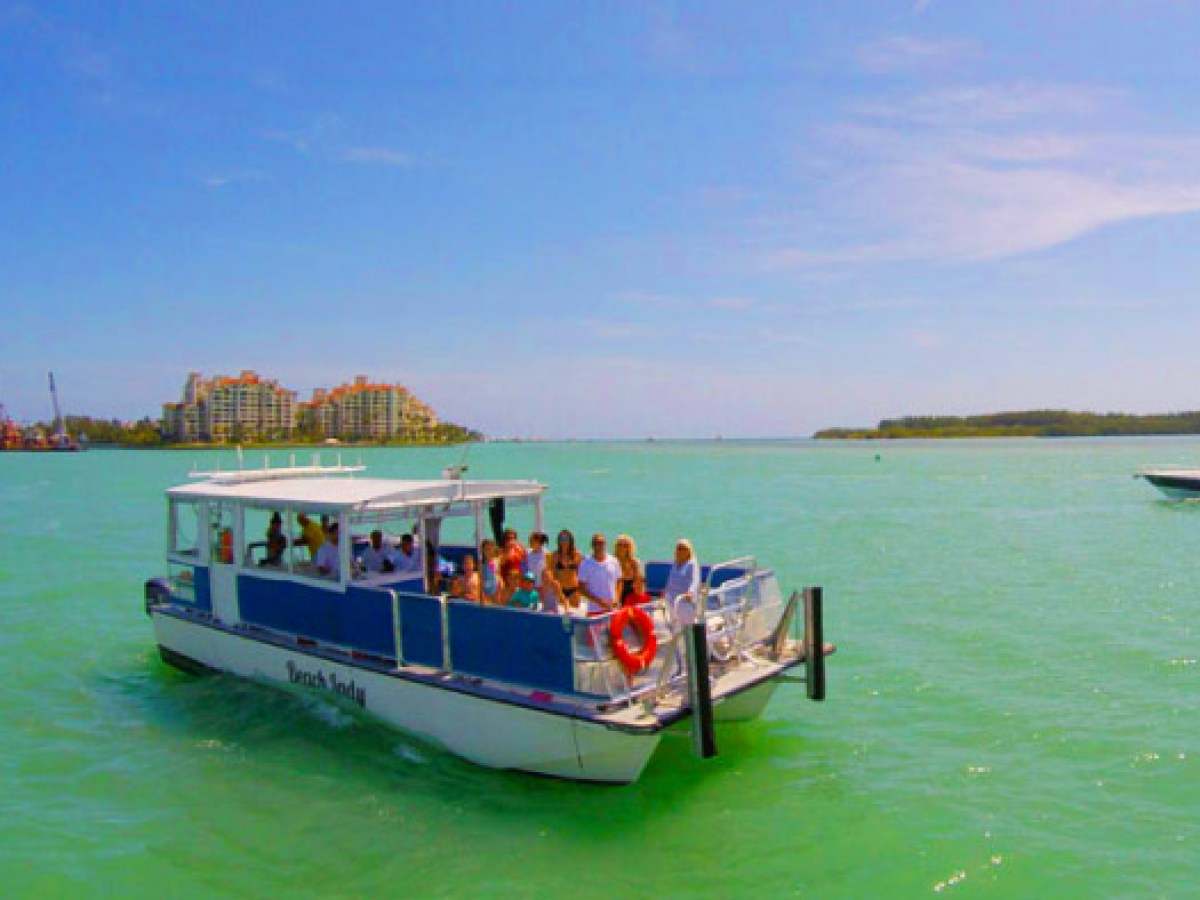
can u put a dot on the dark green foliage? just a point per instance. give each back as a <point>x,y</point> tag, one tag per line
<point>1034,423</point>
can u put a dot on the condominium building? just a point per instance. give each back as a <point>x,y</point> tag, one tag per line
<point>222,408</point>
<point>365,410</point>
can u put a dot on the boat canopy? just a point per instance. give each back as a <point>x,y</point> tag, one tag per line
<point>355,495</point>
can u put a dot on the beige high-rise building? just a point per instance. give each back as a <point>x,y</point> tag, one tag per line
<point>231,409</point>
<point>365,410</point>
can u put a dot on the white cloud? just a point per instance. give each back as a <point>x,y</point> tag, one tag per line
<point>905,53</point>
<point>379,155</point>
<point>985,172</point>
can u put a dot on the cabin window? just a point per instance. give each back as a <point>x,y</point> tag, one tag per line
<point>185,529</point>
<point>266,538</point>
<point>221,532</point>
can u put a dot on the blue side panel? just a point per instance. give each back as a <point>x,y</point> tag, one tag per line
<point>291,606</point>
<point>366,621</point>
<point>202,585</point>
<point>511,645</point>
<point>421,629</point>
<point>658,572</point>
<point>723,575</point>
<point>656,576</point>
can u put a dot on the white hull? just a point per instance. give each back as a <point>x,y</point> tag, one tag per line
<point>485,731</point>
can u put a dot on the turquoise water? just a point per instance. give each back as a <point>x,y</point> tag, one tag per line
<point>1013,710</point>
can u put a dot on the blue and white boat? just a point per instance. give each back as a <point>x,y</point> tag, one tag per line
<point>503,687</point>
<point>1177,484</point>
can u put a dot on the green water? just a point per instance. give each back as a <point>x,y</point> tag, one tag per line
<point>1012,711</point>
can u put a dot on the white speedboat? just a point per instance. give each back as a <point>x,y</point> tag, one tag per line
<point>559,695</point>
<point>1178,484</point>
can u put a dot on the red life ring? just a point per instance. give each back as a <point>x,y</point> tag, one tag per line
<point>641,621</point>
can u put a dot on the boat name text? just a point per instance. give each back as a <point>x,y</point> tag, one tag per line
<point>327,681</point>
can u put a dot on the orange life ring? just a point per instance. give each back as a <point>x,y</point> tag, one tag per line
<point>226,545</point>
<point>641,621</point>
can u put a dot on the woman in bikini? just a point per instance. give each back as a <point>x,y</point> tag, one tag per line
<point>563,564</point>
<point>631,567</point>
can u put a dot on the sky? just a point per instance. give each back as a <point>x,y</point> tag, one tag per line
<point>605,219</point>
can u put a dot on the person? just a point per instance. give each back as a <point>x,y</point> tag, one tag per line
<point>490,570</point>
<point>598,577</point>
<point>311,536</point>
<point>276,542</point>
<point>329,557</point>
<point>631,567</point>
<point>378,557</point>
<point>468,584</point>
<point>551,594</point>
<point>637,595</point>
<point>682,591</point>
<point>563,564</point>
<point>535,559</point>
<point>408,556</point>
<point>512,559</point>
<point>525,596</point>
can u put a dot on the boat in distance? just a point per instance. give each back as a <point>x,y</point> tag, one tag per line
<point>563,695</point>
<point>1177,484</point>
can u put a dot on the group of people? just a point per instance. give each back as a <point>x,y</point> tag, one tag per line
<point>323,543</point>
<point>560,580</point>
<point>565,581</point>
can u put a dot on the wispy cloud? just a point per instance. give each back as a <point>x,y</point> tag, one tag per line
<point>905,53</point>
<point>380,156</point>
<point>987,172</point>
<point>224,180</point>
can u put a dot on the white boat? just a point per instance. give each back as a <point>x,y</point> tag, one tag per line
<point>503,687</point>
<point>1178,484</point>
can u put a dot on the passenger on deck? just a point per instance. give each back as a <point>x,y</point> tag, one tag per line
<point>598,578</point>
<point>407,556</point>
<point>637,594</point>
<point>525,596</point>
<point>378,557</point>
<point>329,557</point>
<point>490,571</point>
<point>312,536</point>
<point>535,559</point>
<point>683,584</point>
<point>512,559</point>
<point>276,541</point>
<point>551,594</point>
<point>468,584</point>
<point>564,566</point>
<point>631,567</point>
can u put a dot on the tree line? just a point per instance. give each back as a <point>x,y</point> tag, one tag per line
<point>1033,423</point>
<point>148,432</point>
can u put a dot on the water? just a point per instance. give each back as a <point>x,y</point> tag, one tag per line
<point>1012,710</point>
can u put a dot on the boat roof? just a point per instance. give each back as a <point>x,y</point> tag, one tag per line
<point>330,494</point>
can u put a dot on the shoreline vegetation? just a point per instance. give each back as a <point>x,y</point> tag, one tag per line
<point>1035,423</point>
<point>147,432</point>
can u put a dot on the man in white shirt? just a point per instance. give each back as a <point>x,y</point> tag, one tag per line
<point>378,557</point>
<point>598,577</point>
<point>329,556</point>
<point>407,556</point>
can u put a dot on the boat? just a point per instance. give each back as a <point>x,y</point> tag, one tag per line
<point>1177,484</point>
<point>579,698</point>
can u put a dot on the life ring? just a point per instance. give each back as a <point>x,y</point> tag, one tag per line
<point>641,621</point>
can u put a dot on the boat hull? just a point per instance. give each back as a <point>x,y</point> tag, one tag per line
<point>484,730</point>
<point>1183,485</point>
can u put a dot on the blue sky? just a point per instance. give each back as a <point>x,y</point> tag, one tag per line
<point>605,219</point>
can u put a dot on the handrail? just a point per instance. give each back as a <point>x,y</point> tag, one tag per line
<point>748,562</point>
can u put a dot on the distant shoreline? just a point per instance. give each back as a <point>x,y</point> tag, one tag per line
<point>1034,423</point>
